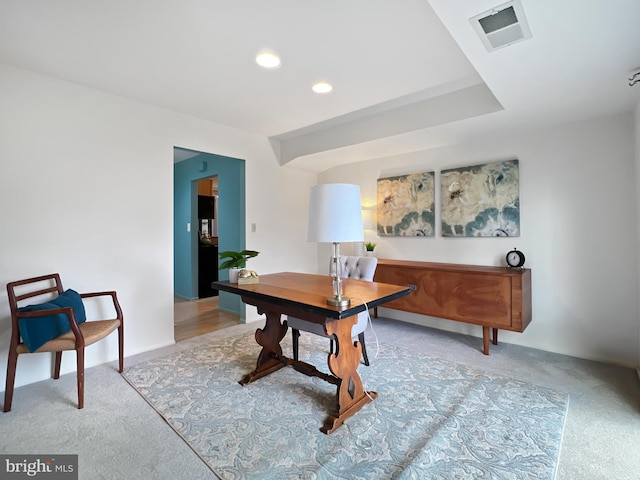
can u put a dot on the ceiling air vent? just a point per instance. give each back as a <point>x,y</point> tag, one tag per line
<point>501,26</point>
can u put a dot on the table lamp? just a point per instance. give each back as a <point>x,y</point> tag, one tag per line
<point>335,216</point>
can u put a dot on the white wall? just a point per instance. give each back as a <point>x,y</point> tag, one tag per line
<point>637,137</point>
<point>86,187</point>
<point>579,232</point>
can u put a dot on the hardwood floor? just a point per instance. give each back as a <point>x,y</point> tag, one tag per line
<point>197,317</point>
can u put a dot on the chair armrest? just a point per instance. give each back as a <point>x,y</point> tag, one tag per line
<point>97,294</point>
<point>68,311</point>
<point>114,298</point>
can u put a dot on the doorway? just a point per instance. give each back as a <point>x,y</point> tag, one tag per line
<point>194,315</point>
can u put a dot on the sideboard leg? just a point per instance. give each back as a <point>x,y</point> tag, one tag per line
<point>495,336</point>
<point>485,340</point>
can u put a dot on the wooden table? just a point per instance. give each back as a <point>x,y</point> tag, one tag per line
<point>304,296</point>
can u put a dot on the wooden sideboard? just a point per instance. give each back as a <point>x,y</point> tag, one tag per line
<point>493,297</point>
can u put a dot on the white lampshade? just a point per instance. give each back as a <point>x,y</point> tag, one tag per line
<point>335,214</point>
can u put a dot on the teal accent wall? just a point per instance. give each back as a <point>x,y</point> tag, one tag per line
<point>231,220</point>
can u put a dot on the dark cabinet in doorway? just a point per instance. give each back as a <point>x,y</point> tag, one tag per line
<point>207,270</point>
<point>206,206</point>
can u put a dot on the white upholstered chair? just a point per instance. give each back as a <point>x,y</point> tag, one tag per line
<point>361,268</point>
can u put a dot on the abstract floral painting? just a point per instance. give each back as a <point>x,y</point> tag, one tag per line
<point>481,200</point>
<point>406,205</point>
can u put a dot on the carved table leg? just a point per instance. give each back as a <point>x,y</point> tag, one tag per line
<point>351,396</point>
<point>269,338</point>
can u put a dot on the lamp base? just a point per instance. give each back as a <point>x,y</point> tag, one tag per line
<point>338,301</point>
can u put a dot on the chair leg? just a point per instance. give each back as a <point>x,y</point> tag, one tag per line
<point>364,348</point>
<point>295,335</point>
<point>80,368</point>
<point>11,377</point>
<point>56,366</point>
<point>121,348</point>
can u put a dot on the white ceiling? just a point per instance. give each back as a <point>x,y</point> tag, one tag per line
<point>407,74</point>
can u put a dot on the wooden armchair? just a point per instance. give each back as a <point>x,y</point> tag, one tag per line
<point>55,326</point>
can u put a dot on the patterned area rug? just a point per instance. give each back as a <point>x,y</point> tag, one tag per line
<point>432,420</point>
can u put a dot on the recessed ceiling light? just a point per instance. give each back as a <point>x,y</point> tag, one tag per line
<point>322,87</point>
<point>268,59</point>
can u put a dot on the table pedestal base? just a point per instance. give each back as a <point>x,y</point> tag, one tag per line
<point>334,421</point>
<point>350,395</point>
<point>269,338</point>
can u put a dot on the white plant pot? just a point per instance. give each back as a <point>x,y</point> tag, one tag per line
<point>369,253</point>
<point>233,274</point>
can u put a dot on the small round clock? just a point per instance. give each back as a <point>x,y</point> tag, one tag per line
<point>515,259</point>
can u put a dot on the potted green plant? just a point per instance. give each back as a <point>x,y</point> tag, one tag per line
<point>235,261</point>
<point>369,247</point>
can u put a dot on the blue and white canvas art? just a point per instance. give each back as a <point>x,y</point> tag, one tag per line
<point>481,200</point>
<point>406,205</point>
